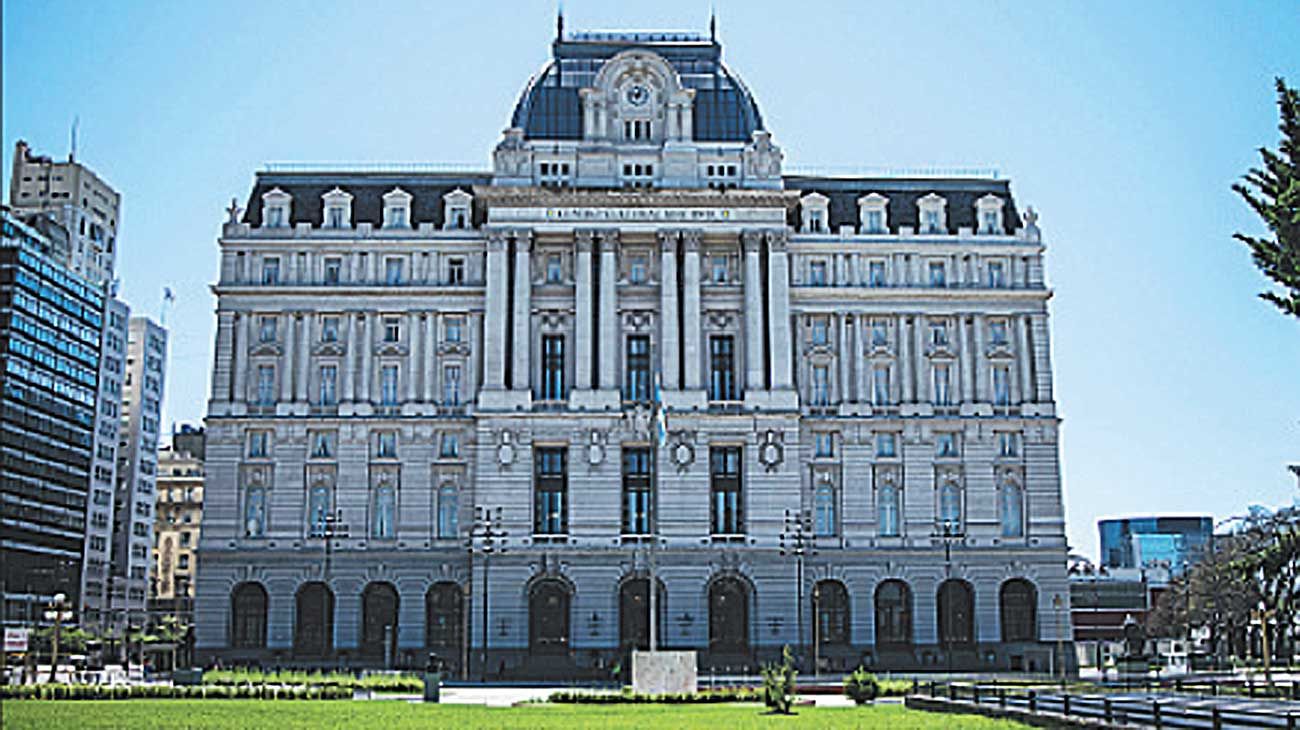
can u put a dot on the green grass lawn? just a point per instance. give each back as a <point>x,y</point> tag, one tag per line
<point>397,715</point>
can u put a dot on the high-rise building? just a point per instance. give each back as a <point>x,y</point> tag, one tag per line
<point>1140,542</point>
<point>857,454</point>
<point>51,322</point>
<point>176,525</point>
<point>85,206</point>
<point>133,523</point>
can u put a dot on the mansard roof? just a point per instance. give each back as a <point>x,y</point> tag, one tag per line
<point>550,108</point>
<point>960,195</point>
<point>367,189</point>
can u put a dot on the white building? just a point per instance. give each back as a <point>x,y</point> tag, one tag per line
<point>860,360</point>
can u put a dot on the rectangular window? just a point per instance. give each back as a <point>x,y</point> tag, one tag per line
<point>448,512</point>
<point>271,270</point>
<point>255,512</point>
<point>383,510</point>
<point>638,496</point>
<point>329,376</point>
<point>259,444</point>
<point>824,504</point>
<point>939,334</point>
<point>334,217</point>
<point>1001,386</point>
<point>554,269</point>
<point>942,389</point>
<point>1008,444</point>
<point>879,333</point>
<point>997,275</point>
<point>319,505</point>
<point>274,217</point>
<point>550,487</point>
<point>938,275</point>
<point>455,328</point>
<point>933,224</point>
<point>821,388</point>
<point>386,445</point>
<point>820,331</point>
<point>637,363</point>
<point>719,275</point>
<point>998,332</point>
<point>945,444</point>
<point>265,385</point>
<point>876,273</point>
<point>266,329</point>
<point>392,329</point>
<point>886,444</point>
<point>817,273</point>
<point>875,221</point>
<point>722,368</point>
<point>392,271</point>
<point>880,385</point>
<point>333,270</point>
<point>638,271</point>
<point>989,222</point>
<point>329,329</point>
<point>553,367</point>
<point>824,443</point>
<point>451,385</point>
<point>322,444</point>
<point>449,445</point>
<point>456,272</point>
<point>726,507</point>
<point>388,385</point>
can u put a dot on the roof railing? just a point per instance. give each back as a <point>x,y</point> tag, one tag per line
<point>982,173</point>
<point>377,167</point>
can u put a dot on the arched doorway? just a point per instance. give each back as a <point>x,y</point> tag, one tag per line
<point>444,621</point>
<point>313,633</point>
<point>379,604</point>
<point>893,614</point>
<point>831,605</point>
<point>548,618</point>
<point>1018,601</point>
<point>728,617</point>
<point>956,613</point>
<point>248,616</point>
<point>634,614</point>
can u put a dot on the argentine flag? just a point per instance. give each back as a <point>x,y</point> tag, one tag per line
<point>660,415</point>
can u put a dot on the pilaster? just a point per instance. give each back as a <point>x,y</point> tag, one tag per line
<point>669,337</point>
<point>494,336</point>
<point>752,242</point>
<point>691,315</point>
<point>521,340</point>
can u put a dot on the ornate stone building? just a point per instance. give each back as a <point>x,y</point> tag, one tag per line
<point>858,449</point>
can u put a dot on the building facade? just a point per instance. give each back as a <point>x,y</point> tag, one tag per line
<point>813,411</point>
<point>177,517</point>
<point>1143,542</point>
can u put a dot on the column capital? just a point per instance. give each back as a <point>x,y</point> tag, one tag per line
<point>777,241</point>
<point>496,240</point>
<point>668,240</point>
<point>584,238</point>
<point>751,240</point>
<point>691,240</point>
<point>609,240</point>
<point>523,240</point>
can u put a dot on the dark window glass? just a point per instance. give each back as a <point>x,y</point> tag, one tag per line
<point>722,368</point>
<point>956,613</point>
<point>1019,611</point>
<point>893,613</point>
<point>728,616</point>
<point>379,620</point>
<point>637,363</point>
<point>638,491</point>
<point>548,618</point>
<point>550,486</point>
<point>248,617</point>
<point>725,489</point>
<point>553,367</point>
<point>832,601</point>
<point>442,606</point>
<point>314,625</point>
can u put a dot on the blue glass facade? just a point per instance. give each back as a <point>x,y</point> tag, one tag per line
<point>1140,542</point>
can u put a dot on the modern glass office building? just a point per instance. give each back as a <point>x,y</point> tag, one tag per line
<point>1138,542</point>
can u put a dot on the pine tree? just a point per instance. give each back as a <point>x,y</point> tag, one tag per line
<point>1273,191</point>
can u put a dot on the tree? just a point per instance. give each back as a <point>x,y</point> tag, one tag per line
<point>1273,192</point>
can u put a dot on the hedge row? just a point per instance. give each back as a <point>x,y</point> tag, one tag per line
<point>372,682</point>
<point>160,691</point>
<point>740,694</point>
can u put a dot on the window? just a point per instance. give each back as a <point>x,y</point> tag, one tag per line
<point>817,273</point>
<point>388,385</point>
<point>392,329</point>
<point>727,516</point>
<point>638,271</point>
<point>449,445</point>
<point>990,221</point>
<point>553,367</point>
<point>1011,513</point>
<point>879,333</point>
<point>942,387</point>
<point>448,512</point>
<point>998,332</point>
<point>1008,444</point>
<point>550,485</point>
<point>319,506</point>
<point>333,270</point>
<point>950,505</point>
<point>722,368</point>
<point>265,385</point>
<point>888,508</point>
<point>455,328</point>
<point>638,497</point>
<point>259,444</point>
<point>392,271</point>
<point>271,270</point>
<point>886,444</point>
<point>939,334</point>
<point>956,613</point>
<point>248,616</point>
<point>938,275</point>
<point>255,512</point>
<point>637,378</point>
<point>383,508</point>
<point>876,273</point>
<point>880,385</point>
<point>335,216</point>
<point>183,562</point>
<point>823,443</point>
<point>275,217</point>
<point>451,385</point>
<point>945,444</point>
<point>456,272</point>
<point>554,269</point>
<point>396,217</point>
<point>719,269</point>
<point>186,538</point>
<point>266,329</point>
<point>1001,386</point>
<point>821,389</point>
<point>824,510</point>
<point>386,445</point>
<point>820,331</point>
<point>1018,600</point>
<point>329,329</point>
<point>893,613</point>
<point>997,275</point>
<point>329,375</point>
<point>875,221</point>
<point>832,601</point>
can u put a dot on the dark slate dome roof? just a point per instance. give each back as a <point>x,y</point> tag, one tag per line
<point>549,107</point>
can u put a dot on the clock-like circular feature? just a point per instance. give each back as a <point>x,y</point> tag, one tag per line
<point>637,95</point>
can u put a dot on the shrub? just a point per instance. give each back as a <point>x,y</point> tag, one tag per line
<point>778,683</point>
<point>861,686</point>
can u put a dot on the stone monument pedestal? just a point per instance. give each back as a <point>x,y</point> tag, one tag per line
<point>663,672</point>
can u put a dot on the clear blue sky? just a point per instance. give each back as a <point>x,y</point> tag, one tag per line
<point>1123,123</point>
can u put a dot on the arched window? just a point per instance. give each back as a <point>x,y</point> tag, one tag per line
<point>383,511</point>
<point>378,619</point>
<point>888,505</point>
<point>1019,604</point>
<point>956,613</point>
<point>728,616</point>
<point>548,618</point>
<point>824,509</point>
<point>248,616</point>
<point>634,614</point>
<point>950,504</point>
<point>1011,510</point>
<point>832,611</point>
<point>314,620</point>
<point>443,619</point>
<point>893,613</point>
<point>448,512</point>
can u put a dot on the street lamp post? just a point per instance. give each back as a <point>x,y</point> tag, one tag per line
<point>949,532</point>
<point>330,527</point>
<point>58,611</point>
<point>491,538</point>
<point>1059,604</point>
<point>796,542</point>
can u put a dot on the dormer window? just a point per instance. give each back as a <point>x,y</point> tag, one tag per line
<point>553,174</point>
<point>817,273</point>
<point>397,209</point>
<point>637,175</point>
<point>338,208</point>
<point>456,210</point>
<point>636,130</point>
<point>276,206</point>
<point>873,213</point>
<point>933,215</point>
<point>816,216</point>
<point>988,211</point>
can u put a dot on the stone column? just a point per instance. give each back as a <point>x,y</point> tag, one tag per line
<point>1042,358</point>
<point>691,324</point>
<point>304,356</point>
<point>609,310</point>
<point>920,363</point>
<point>905,356</point>
<point>967,362</point>
<point>843,355</point>
<point>494,336</point>
<point>366,351</point>
<point>240,357</point>
<point>429,357</point>
<point>286,361</point>
<point>521,340</point>
<point>412,356</point>
<point>669,337</point>
<point>861,331</point>
<point>752,242</point>
<point>1027,389</point>
<point>350,358</point>
<point>778,291</point>
<point>981,364</point>
<point>222,369</point>
<point>582,312</point>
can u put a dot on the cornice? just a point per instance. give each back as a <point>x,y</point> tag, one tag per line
<point>530,197</point>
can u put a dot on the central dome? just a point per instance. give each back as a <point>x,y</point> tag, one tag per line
<point>550,107</point>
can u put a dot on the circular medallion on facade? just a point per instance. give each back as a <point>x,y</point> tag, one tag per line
<point>595,454</point>
<point>683,454</point>
<point>505,453</point>
<point>637,95</point>
<point>771,454</point>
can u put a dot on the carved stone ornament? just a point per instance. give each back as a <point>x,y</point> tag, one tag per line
<point>257,476</point>
<point>638,420</point>
<point>595,451</point>
<point>320,476</point>
<point>887,476</point>
<point>384,476</point>
<point>771,453</point>
<point>683,452</point>
<point>505,448</point>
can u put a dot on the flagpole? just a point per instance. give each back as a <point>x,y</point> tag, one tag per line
<point>660,425</point>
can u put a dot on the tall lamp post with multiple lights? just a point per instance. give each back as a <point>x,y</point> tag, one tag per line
<point>491,539</point>
<point>796,542</point>
<point>329,528</point>
<point>949,532</point>
<point>58,611</point>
